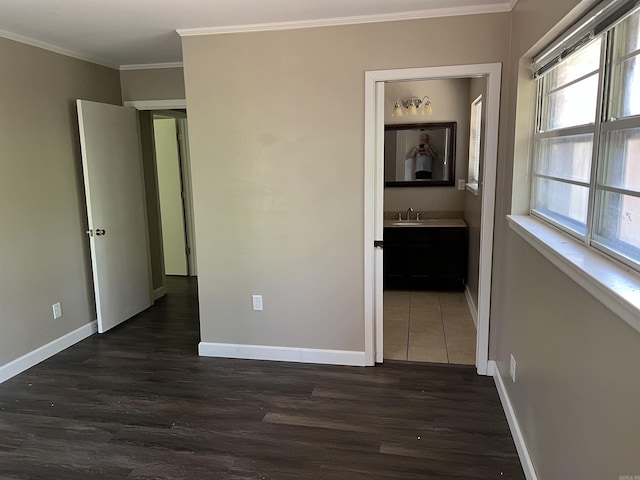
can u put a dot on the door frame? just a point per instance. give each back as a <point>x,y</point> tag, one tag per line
<point>374,197</point>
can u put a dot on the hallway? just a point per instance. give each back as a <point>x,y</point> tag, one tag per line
<point>138,403</point>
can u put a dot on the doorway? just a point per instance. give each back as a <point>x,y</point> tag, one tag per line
<point>172,109</point>
<point>374,198</point>
<point>430,270</point>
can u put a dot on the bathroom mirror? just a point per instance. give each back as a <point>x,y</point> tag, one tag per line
<point>420,155</point>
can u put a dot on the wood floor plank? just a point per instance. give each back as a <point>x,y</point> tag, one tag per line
<point>138,403</point>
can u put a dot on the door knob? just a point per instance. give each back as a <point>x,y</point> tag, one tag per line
<point>100,232</point>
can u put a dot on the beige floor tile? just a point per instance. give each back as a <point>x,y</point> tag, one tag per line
<point>458,319</point>
<point>395,352</point>
<point>425,327</point>
<point>395,297</point>
<point>461,342</point>
<point>459,328</point>
<point>395,337</point>
<point>462,356</point>
<point>424,339</point>
<point>428,327</point>
<point>453,311</point>
<point>427,354</point>
<point>424,316</point>
<point>425,303</point>
<point>452,298</point>
<point>396,314</point>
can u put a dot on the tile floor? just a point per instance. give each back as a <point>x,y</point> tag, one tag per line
<point>428,327</point>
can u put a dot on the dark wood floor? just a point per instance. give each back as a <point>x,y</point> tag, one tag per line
<point>137,402</point>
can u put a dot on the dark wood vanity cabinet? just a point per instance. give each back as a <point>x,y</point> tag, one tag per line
<point>425,258</point>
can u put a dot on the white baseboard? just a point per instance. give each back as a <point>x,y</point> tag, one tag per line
<point>472,306</point>
<point>159,293</point>
<point>282,354</point>
<point>514,426</point>
<point>30,359</point>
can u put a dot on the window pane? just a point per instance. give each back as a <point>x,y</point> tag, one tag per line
<point>620,159</point>
<point>577,65</point>
<point>565,157</point>
<point>618,223</point>
<point>628,35</point>
<point>572,105</point>
<point>475,133</point>
<point>563,202</point>
<point>626,97</point>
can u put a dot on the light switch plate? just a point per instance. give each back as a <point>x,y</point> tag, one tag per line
<point>461,184</point>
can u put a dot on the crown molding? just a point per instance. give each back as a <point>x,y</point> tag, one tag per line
<point>151,66</point>
<point>55,49</point>
<point>330,22</point>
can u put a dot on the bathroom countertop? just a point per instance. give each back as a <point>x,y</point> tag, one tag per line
<point>427,222</point>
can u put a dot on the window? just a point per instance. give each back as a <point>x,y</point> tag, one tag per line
<point>475,135</point>
<point>586,166</point>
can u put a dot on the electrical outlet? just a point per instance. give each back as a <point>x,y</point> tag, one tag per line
<point>57,310</point>
<point>512,369</point>
<point>257,302</point>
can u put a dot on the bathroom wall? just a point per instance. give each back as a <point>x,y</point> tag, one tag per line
<point>473,202</point>
<point>449,99</point>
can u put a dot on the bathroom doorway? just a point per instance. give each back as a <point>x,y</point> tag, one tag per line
<point>374,200</point>
<point>428,304</point>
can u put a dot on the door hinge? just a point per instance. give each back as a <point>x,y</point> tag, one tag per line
<point>184,195</point>
<point>179,137</point>
<point>188,250</point>
<point>378,243</point>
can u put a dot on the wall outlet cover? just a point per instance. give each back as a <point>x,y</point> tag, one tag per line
<point>57,310</point>
<point>257,302</point>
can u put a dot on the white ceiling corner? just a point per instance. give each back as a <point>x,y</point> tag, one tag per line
<point>142,34</point>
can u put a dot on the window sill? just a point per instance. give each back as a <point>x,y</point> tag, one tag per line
<point>473,188</point>
<point>613,284</point>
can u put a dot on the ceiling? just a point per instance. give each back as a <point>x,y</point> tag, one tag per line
<point>121,33</point>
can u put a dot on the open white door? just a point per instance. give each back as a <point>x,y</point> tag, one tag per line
<point>113,181</point>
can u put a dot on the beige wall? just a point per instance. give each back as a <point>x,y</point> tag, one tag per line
<point>152,84</point>
<point>473,203</point>
<point>44,255</point>
<point>145,117</point>
<point>449,99</point>
<point>277,154</point>
<point>577,394</point>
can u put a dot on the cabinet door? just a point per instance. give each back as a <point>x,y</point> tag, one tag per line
<point>396,259</point>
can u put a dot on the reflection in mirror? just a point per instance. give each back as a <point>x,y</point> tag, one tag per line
<point>419,154</point>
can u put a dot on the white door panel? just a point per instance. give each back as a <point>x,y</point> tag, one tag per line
<point>112,170</point>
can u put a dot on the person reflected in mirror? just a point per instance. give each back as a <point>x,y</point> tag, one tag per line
<point>423,155</point>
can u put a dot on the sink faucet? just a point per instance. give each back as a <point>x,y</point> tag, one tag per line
<point>409,210</point>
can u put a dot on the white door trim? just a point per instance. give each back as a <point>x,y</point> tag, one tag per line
<point>374,191</point>
<point>156,104</point>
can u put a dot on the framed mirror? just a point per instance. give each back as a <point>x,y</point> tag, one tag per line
<point>420,155</point>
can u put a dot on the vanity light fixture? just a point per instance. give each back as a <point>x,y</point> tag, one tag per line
<point>412,104</point>
<point>397,109</point>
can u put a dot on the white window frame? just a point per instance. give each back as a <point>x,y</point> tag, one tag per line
<point>603,123</point>
<point>611,282</point>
